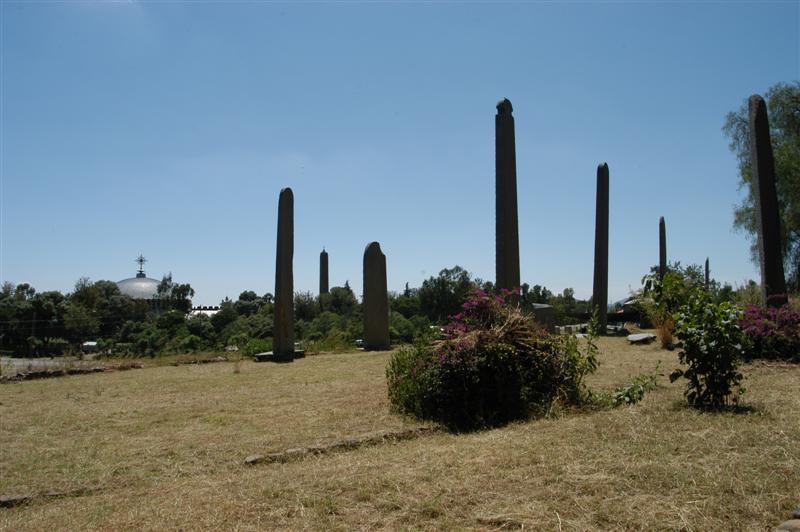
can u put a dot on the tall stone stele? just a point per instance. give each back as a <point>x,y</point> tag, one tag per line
<point>708,275</point>
<point>506,226</point>
<point>376,299</point>
<point>323,272</point>
<point>283,327</point>
<point>600,291</point>
<point>662,248</point>
<point>762,163</point>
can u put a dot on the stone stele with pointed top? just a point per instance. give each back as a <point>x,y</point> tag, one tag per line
<point>283,328</point>
<point>506,228</point>
<point>323,272</point>
<point>376,299</point>
<point>708,274</point>
<point>600,291</point>
<point>662,248</point>
<point>773,283</point>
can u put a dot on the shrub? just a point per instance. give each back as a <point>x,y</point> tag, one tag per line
<point>635,391</point>
<point>665,296</point>
<point>256,345</point>
<point>494,365</point>
<point>773,333</point>
<point>336,341</point>
<point>712,348</point>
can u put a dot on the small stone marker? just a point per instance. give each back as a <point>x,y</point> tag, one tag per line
<point>662,248</point>
<point>506,225</point>
<point>323,272</point>
<point>600,290</point>
<point>376,299</point>
<point>641,338</point>
<point>773,283</point>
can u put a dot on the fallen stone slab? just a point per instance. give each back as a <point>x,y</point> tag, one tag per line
<point>52,373</point>
<point>10,501</point>
<point>199,361</point>
<point>373,438</point>
<point>276,357</point>
<point>641,338</point>
<point>793,525</point>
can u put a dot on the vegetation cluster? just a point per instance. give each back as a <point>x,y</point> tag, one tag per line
<point>51,323</point>
<point>716,329</point>
<point>492,365</point>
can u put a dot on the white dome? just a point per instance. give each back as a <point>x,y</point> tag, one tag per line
<point>139,287</point>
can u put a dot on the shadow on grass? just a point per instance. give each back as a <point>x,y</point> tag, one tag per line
<point>713,410</point>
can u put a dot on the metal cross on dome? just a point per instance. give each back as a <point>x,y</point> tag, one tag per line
<point>141,260</point>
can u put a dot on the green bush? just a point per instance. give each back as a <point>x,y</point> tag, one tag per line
<point>635,391</point>
<point>663,297</point>
<point>335,341</point>
<point>494,365</point>
<point>256,345</point>
<point>712,348</point>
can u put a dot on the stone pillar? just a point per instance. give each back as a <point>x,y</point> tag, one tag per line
<point>376,299</point>
<point>600,291</point>
<point>323,272</point>
<point>773,283</point>
<point>662,248</point>
<point>708,275</point>
<point>506,229</point>
<point>283,327</point>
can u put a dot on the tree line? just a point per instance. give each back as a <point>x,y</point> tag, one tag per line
<point>51,323</point>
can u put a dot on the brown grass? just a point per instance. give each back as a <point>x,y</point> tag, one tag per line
<point>168,445</point>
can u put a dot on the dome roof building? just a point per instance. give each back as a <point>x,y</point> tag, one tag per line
<point>141,286</point>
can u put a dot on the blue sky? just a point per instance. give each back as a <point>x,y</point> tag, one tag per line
<point>169,128</point>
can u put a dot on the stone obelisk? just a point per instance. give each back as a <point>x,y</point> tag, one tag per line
<point>773,283</point>
<point>662,248</point>
<point>376,299</point>
<point>506,228</point>
<point>708,275</point>
<point>600,291</point>
<point>323,272</point>
<point>283,327</point>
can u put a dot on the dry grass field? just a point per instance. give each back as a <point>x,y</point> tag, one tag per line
<point>165,448</point>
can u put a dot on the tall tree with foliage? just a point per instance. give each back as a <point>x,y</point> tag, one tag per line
<point>783,105</point>
<point>442,296</point>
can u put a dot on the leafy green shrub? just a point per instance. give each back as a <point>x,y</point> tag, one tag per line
<point>665,296</point>
<point>773,333</point>
<point>256,345</point>
<point>334,341</point>
<point>635,391</point>
<point>712,348</point>
<point>494,365</point>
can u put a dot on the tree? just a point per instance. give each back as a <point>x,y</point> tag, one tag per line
<point>174,296</point>
<point>248,303</point>
<point>406,304</point>
<point>783,105</point>
<point>442,296</point>
<point>306,307</point>
<point>340,300</point>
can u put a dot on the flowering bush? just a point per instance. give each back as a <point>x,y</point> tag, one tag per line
<point>773,332</point>
<point>712,348</point>
<point>493,365</point>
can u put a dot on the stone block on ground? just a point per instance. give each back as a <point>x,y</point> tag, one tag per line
<point>641,338</point>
